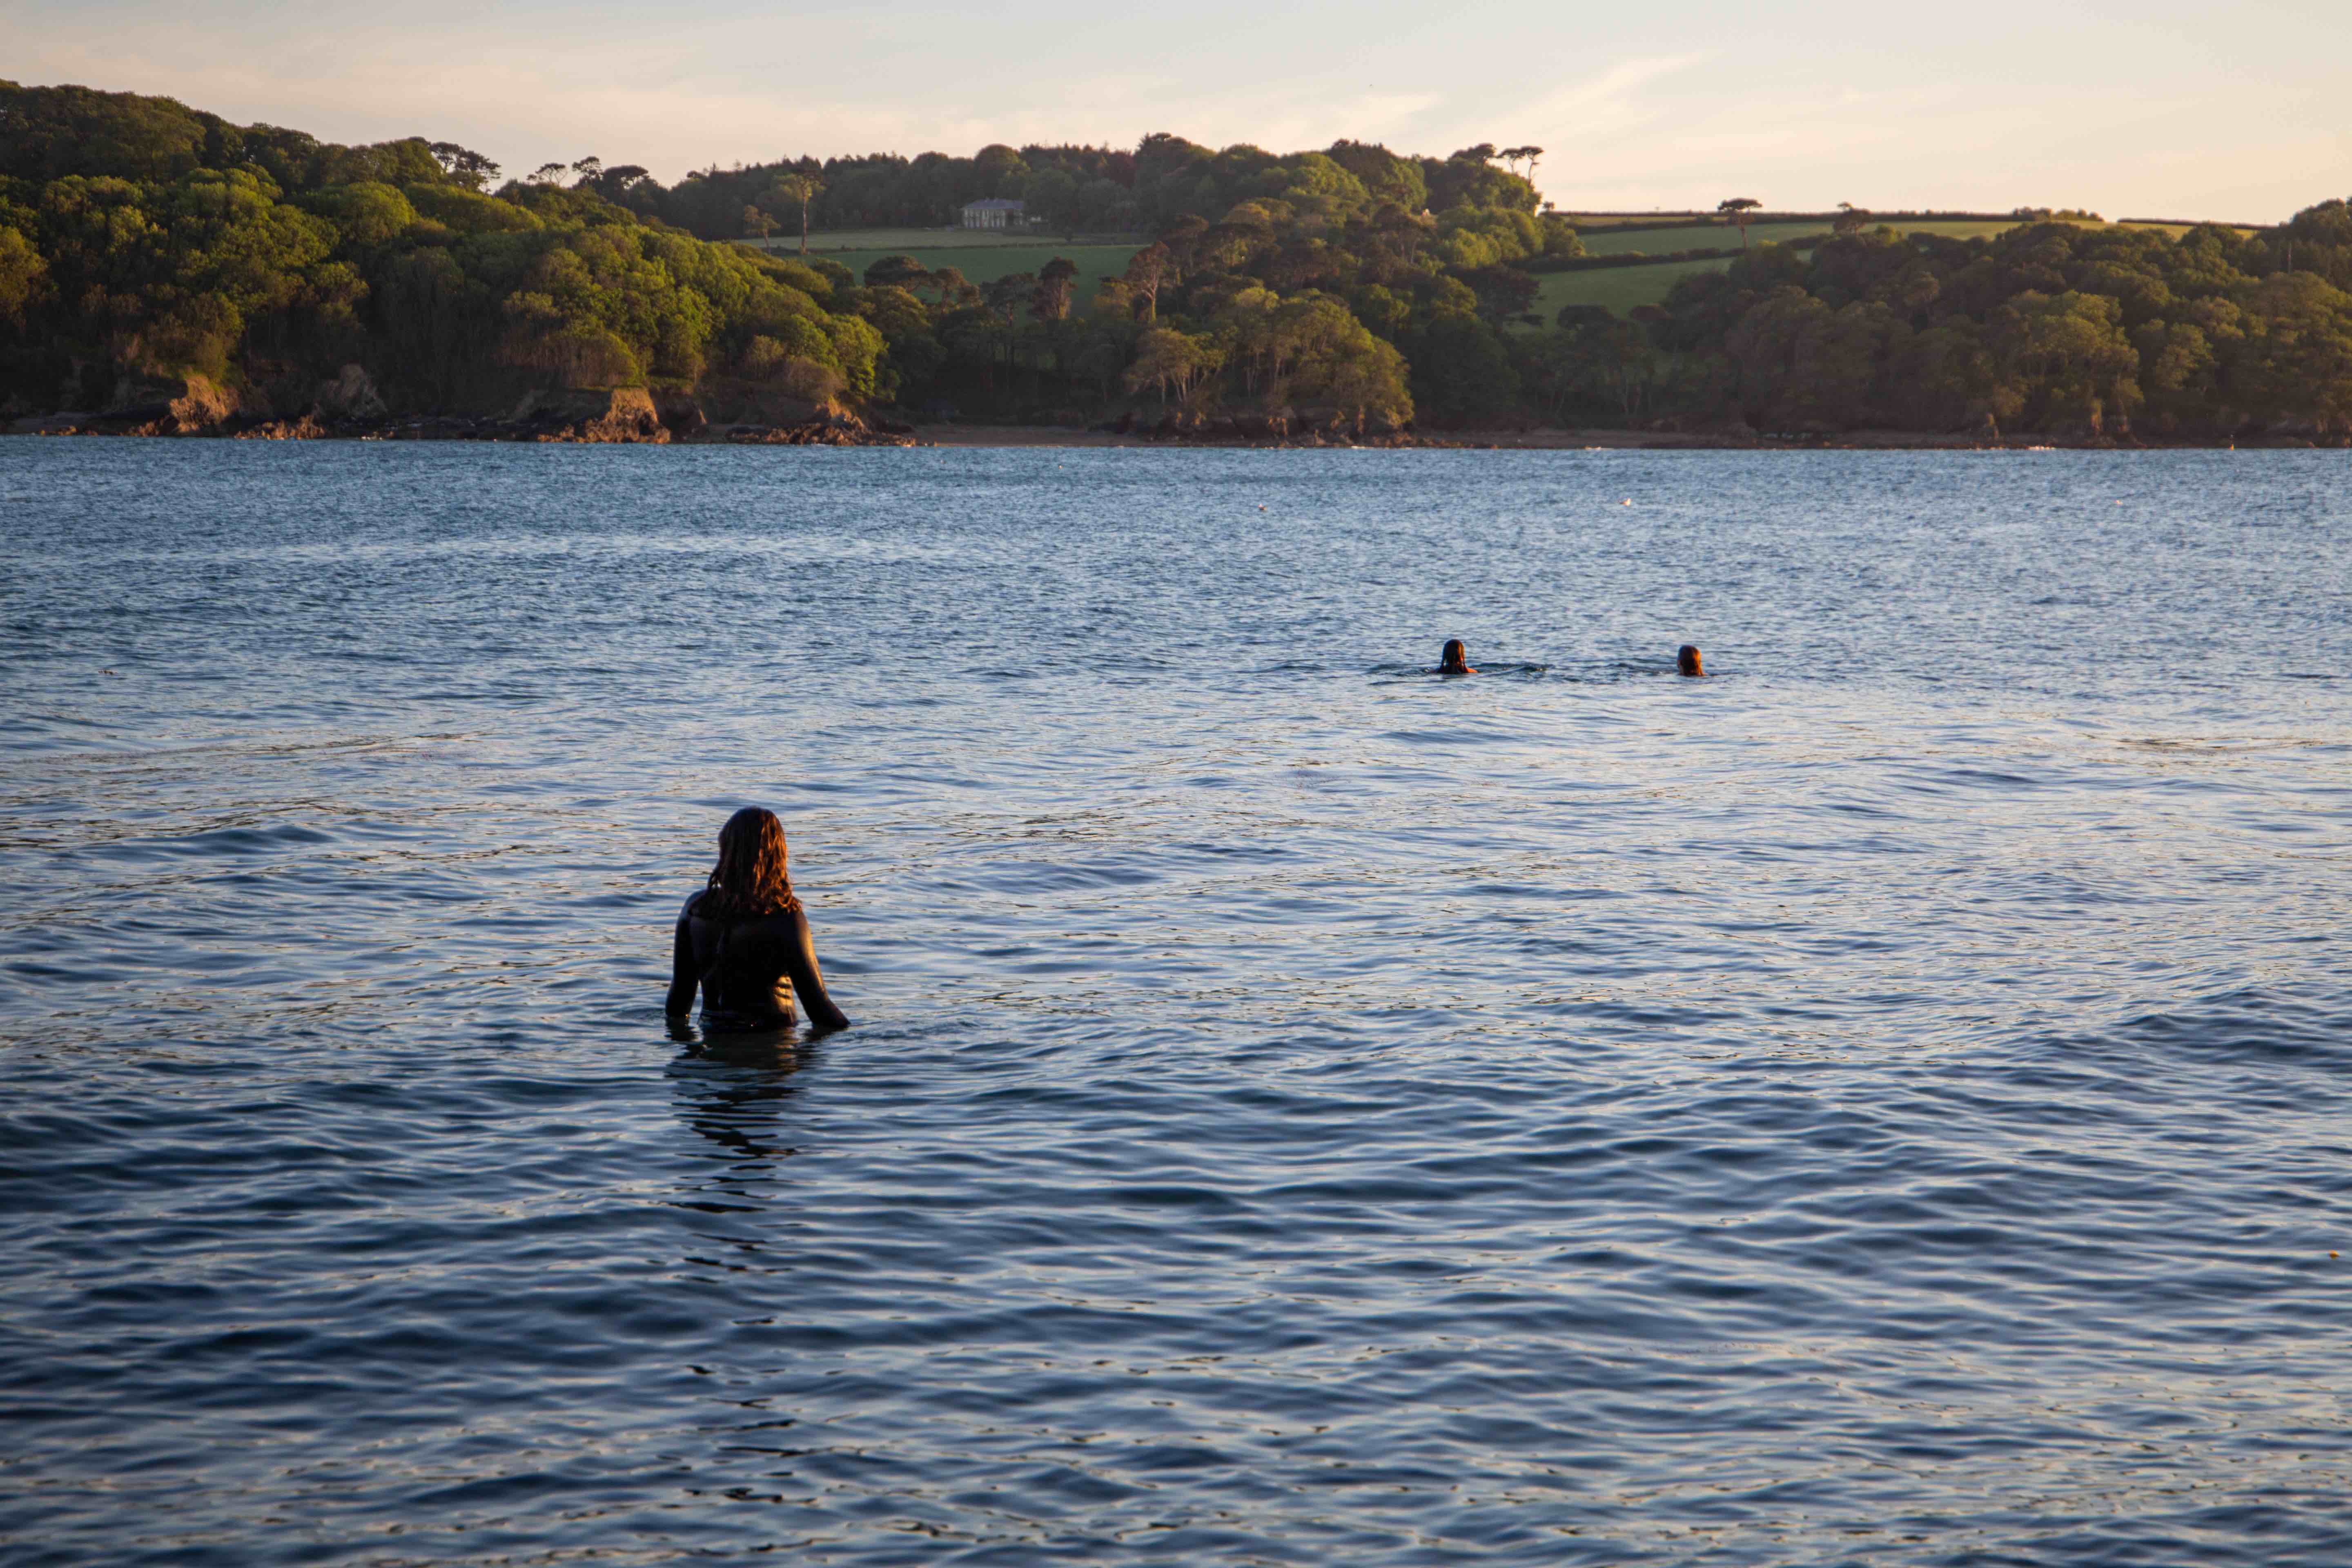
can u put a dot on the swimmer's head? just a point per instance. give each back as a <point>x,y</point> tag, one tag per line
<point>1453,658</point>
<point>1686,660</point>
<point>750,879</point>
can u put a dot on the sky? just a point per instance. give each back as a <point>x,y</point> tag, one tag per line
<point>2156,108</point>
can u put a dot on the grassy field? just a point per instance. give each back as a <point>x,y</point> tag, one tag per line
<point>983,257</point>
<point>1623,287</point>
<point>1613,241</point>
<point>1619,288</point>
<point>1610,241</point>
<point>910,241</point>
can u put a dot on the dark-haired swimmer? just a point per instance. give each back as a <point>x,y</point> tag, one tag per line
<point>745,940</point>
<point>1453,658</point>
<point>1686,660</point>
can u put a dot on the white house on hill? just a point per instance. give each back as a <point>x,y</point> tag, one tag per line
<point>996,212</point>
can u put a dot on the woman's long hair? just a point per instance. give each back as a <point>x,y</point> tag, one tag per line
<point>749,880</point>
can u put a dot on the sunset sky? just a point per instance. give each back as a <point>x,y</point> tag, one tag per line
<point>2157,108</point>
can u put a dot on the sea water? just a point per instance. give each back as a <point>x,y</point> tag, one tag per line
<point>1887,1102</point>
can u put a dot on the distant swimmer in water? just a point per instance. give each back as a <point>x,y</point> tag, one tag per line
<point>745,940</point>
<point>1455,659</point>
<point>1686,660</point>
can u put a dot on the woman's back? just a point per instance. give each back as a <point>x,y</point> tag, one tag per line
<point>743,940</point>
<point>749,969</point>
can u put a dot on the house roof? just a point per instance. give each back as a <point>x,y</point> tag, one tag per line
<point>994,203</point>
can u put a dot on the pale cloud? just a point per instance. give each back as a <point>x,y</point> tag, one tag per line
<point>1638,108</point>
<point>1610,105</point>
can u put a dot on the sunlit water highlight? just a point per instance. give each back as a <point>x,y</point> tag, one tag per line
<point>1885,1103</point>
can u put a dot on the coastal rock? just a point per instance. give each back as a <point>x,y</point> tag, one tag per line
<point>201,406</point>
<point>681,414</point>
<point>306,429</point>
<point>187,406</point>
<point>64,424</point>
<point>628,415</point>
<point>620,413</point>
<point>812,433</point>
<point>729,403</point>
<point>351,395</point>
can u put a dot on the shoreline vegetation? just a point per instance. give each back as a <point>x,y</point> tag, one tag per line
<point>605,424</point>
<point>165,272</point>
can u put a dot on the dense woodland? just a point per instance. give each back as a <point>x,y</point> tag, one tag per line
<point>142,241</point>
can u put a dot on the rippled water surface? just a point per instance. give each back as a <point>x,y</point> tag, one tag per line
<point>1890,1103</point>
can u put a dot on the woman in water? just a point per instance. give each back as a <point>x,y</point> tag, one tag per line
<point>1453,658</point>
<point>744,940</point>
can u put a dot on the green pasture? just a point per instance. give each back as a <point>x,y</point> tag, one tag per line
<point>1615,241</point>
<point>1623,287</point>
<point>1658,241</point>
<point>981,257</point>
<point>1619,288</point>
<point>1585,222</point>
<point>986,264</point>
<point>909,241</point>
<point>1610,237</point>
<point>984,256</point>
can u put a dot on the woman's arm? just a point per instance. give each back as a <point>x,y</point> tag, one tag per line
<point>808,983</point>
<point>681,970</point>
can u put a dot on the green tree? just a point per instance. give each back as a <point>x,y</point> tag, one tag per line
<point>1386,177</point>
<point>1173,361</point>
<point>1737,208</point>
<point>2071,357</point>
<point>462,165</point>
<point>1055,281</point>
<point>1462,370</point>
<point>23,274</point>
<point>2296,366</point>
<point>895,271</point>
<point>795,189</point>
<point>1052,200</point>
<point>1148,270</point>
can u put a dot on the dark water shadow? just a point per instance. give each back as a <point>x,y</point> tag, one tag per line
<point>1493,670</point>
<point>734,1089</point>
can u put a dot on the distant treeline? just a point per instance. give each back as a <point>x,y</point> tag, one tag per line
<point>1065,188</point>
<point>140,241</point>
<point>2055,327</point>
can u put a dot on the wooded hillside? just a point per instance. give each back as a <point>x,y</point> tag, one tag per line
<point>143,243</point>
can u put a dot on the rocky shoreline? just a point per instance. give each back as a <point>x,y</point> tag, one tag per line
<point>349,409</point>
<point>634,415</point>
<point>1558,439</point>
<point>849,431</point>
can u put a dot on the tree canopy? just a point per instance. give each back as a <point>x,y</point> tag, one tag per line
<point>2050,327</point>
<point>1349,286</point>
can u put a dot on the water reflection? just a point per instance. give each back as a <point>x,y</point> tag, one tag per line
<point>732,1089</point>
<point>1886,1104</point>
